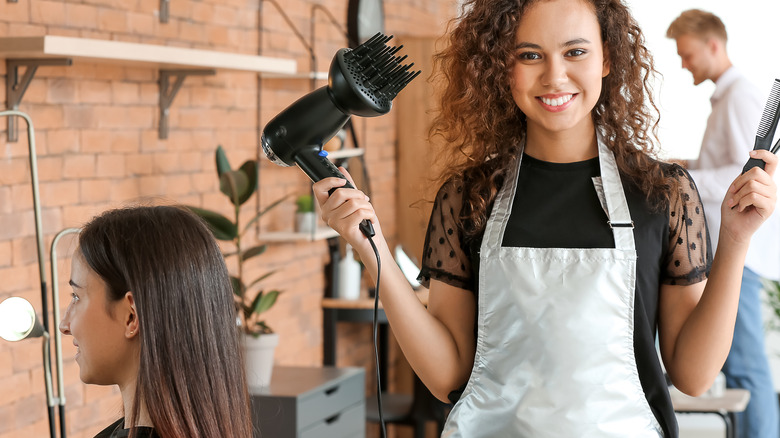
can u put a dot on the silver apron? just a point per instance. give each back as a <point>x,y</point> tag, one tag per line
<point>555,341</point>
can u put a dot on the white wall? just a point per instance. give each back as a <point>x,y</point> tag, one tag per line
<point>753,47</point>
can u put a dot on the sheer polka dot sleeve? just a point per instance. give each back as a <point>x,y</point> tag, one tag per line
<point>689,257</point>
<point>445,256</point>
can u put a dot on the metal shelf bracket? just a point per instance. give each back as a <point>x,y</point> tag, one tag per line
<point>165,10</point>
<point>168,92</point>
<point>16,85</point>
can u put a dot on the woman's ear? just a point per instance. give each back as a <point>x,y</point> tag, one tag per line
<point>130,315</point>
<point>606,65</point>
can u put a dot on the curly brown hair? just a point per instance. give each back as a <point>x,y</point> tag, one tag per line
<point>482,125</point>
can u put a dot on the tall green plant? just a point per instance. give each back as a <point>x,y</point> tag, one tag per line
<point>772,289</point>
<point>239,185</point>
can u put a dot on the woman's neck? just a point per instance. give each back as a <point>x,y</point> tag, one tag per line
<point>561,147</point>
<point>128,397</point>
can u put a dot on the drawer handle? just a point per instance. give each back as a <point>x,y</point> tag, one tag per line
<point>330,391</point>
<point>333,419</point>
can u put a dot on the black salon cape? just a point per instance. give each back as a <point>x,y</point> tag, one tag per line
<point>115,431</point>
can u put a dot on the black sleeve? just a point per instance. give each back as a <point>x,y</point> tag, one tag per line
<point>689,258</point>
<point>446,257</point>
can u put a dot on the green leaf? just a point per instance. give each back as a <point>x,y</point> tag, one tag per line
<point>222,162</point>
<point>253,252</point>
<point>305,203</point>
<point>249,169</point>
<point>264,301</point>
<point>262,212</point>
<point>221,227</point>
<point>232,184</point>
<point>235,282</point>
<point>261,278</point>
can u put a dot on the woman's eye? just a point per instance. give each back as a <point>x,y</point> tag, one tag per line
<point>576,52</point>
<point>528,56</point>
<point>74,297</point>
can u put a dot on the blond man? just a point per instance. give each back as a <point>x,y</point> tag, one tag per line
<point>737,106</point>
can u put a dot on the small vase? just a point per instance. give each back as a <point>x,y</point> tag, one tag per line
<point>305,222</point>
<point>259,360</point>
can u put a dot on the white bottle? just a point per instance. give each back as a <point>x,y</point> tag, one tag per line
<point>349,276</point>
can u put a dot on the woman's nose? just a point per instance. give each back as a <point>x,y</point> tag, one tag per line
<point>65,324</point>
<point>554,73</point>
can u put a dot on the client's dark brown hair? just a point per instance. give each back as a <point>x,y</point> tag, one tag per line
<point>191,377</point>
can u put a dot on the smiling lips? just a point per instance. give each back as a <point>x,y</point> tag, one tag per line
<point>556,103</point>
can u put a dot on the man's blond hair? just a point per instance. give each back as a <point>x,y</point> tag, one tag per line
<point>698,23</point>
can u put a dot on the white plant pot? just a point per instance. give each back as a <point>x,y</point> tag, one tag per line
<point>259,360</point>
<point>306,222</point>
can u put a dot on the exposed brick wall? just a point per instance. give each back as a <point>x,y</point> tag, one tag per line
<point>97,146</point>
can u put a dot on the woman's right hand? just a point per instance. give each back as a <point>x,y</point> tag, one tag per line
<point>345,209</point>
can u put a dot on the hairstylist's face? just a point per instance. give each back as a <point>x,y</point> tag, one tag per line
<point>697,57</point>
<point>559,65</point>
<point>100,333</point>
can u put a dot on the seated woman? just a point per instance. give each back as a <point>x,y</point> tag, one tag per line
<point>152,312</point>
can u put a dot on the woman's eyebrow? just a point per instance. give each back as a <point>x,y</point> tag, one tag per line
<point>73,284</point>
<point>574,42</point>
<point>525,45</point>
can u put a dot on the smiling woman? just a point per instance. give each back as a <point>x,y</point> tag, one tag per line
<point>558,246</point>
<point>152,312</point>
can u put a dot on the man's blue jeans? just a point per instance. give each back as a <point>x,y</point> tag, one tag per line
<point>747,365</point>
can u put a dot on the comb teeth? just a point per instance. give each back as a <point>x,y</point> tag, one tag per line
<point>771,113</point>
<point>381,72</point>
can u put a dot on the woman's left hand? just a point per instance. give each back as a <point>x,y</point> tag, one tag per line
<point>750,199</point>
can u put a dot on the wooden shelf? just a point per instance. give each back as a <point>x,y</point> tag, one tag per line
<point>318,75</point>
<point>322,233</point>
<point>366,303</point>
<point>345,153</point>
<point>174,64</point>
<point>117,52</point>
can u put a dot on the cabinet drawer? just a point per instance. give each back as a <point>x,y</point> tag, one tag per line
<point>330,400</point>
<point>350,422</point>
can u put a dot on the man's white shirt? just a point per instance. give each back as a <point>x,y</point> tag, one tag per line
<point>737,107</point>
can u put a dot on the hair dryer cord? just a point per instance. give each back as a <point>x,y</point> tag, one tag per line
<point>376,330</point>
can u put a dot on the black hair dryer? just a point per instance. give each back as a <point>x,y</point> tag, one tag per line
<point>361,81</point>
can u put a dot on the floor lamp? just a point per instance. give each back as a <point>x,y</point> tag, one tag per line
<point>19,310</point>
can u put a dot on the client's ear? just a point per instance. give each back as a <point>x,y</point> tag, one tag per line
<point>130,315</point>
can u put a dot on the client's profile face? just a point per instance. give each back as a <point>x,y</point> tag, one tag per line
<point>103,352</point>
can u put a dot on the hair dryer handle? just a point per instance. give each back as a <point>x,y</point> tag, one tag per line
<point>316,165</point>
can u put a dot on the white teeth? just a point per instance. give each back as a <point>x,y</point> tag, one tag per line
<point>558,101</point>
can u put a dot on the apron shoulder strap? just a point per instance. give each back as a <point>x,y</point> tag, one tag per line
<point>615,198</point>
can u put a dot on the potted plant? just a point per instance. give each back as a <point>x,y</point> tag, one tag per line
<point>251,301</point>
<point>305,218</point>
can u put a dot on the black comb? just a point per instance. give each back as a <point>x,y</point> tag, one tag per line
<point>366,79</point>
<point>767,127</point>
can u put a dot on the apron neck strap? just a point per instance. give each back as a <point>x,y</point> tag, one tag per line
<point>617,207</point>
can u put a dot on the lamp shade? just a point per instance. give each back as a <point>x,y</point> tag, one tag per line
<point>18,320</point>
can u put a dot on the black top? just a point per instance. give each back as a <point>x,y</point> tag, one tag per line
<point>556,206</point>
<point>115,431</point>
